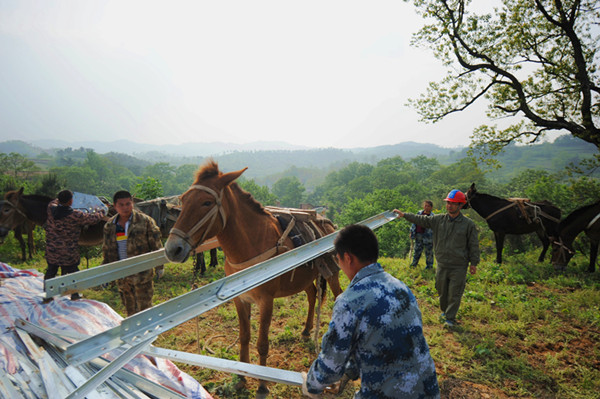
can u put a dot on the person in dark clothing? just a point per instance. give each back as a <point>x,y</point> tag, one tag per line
<point>423,238</point>
<point>63,228</point>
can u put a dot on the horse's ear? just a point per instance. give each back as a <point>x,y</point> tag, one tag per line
<point>228,178</point>
<point>21,191</point>
<point>472,187</point>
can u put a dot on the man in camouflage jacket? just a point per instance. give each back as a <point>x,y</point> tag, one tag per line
<point>63,227</point>
<point>130,233</point>
<point>376,330</point>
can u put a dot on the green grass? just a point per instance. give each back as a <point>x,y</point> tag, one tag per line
<point>525,330</point>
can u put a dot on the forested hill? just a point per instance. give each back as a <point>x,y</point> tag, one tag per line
<point>274,158</point>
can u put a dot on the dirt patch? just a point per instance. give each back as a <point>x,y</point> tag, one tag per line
<point>453,388</point>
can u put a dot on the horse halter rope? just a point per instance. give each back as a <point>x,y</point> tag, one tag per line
<point>13,206</point>
<point>209,218</point>
<point>563,249</point>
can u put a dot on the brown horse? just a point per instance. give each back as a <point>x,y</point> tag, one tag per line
<point>248,234</point>
<point>165,211</point>
<point>18,209</point>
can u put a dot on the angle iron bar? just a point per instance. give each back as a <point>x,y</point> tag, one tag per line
<point>230,366</point>
<point>109,370</point>
<point>55,338</point>
<point>7,390</point>
<point>104,274</point>
<point>158,319</point>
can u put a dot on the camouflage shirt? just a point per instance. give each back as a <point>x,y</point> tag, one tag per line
<point>63,227</point>
<point>143,237</point>
<point>376,329</point>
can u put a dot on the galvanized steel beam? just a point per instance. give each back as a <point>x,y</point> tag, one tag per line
<point>156,320</point>
<point>96,276</point>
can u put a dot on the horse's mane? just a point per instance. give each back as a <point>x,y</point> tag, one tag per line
<point>34,197</point>
<point>208,170</point>
<point>38,197</point>
<point>211,169</point>
<point>489,196</point>
<point>576,213</point>
<point>246,196</point>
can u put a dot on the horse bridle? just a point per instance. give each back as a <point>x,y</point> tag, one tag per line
<point>13,206</point>
<point>209,218</point>
<point>563,249</point>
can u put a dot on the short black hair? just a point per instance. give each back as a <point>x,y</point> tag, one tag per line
<point>120,195</point>
<point>429,202</point>
<point>358,240</point>
<point>65,196</point>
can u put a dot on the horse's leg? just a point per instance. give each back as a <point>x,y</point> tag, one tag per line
<point>30,244</point>
<point>334,284</point>
<point>593,256</point>
<point>545,243</point>
<point>262,343</point>
<point>19,236</point>
<point>499,246</point>
<point>214,261</point>
<point>311,294</point>
<point>243,312</point>
<point>200,264</point>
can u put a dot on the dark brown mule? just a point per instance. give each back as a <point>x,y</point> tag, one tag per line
<point>505,216</point>
<point>216,206</point>
<point>18,209</point>
<point>586,219</point>
<point>25,228</point>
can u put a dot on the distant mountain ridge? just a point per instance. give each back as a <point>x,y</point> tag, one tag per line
<point>270,158</point>
<point>37,147</point>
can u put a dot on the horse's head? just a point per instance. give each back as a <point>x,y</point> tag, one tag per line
<point>470,194</point>
<point>562,252</point>
<point>203,211</point>
<point>10,214</point>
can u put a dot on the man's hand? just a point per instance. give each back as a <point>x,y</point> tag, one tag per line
<point>399,212</point>
<point>305,388</point>
<point>473,269</point>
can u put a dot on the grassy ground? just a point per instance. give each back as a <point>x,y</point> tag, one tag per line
<point>525,331</point>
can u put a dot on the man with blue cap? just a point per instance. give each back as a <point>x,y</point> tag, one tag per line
<point>456,249</point>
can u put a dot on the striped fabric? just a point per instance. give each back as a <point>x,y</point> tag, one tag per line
<point>20,297</point>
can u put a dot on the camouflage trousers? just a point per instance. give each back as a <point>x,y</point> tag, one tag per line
<point>136,291</point>
<point>421,244</point>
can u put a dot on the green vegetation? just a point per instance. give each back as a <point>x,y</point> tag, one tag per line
<point>525,330</point>
<point>349,192</point>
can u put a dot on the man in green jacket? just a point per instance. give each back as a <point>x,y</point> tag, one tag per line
<point>456,246</point>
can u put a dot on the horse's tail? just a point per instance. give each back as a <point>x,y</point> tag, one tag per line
<point>322,283</point>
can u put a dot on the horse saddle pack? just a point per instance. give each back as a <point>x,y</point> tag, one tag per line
<point>527,212</point>
<point>308,226</point>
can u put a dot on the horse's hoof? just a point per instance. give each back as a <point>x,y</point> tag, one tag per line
<point>262,393</point>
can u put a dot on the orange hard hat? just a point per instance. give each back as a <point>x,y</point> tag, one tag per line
<point>456,196</point>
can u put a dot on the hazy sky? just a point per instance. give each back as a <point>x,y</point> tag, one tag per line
<point>319,73</point>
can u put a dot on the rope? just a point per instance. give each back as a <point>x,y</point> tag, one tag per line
<point>594,220</point>
<point>319,304</point>
<point>269,253</point>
